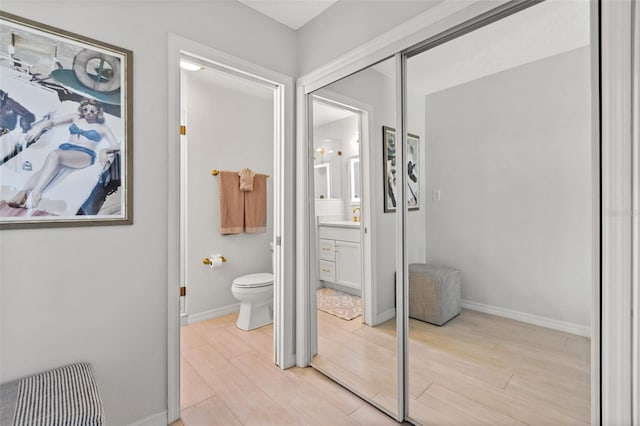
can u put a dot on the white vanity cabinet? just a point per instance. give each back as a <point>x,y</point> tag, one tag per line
<point>348,270</point>
<point>339,255</point>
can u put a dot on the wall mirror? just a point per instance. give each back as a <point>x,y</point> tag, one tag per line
<point>355,291</point>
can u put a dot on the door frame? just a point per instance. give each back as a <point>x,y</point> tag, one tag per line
<point>367,239</point>
<point>614,338</point>
<point>283,232</point>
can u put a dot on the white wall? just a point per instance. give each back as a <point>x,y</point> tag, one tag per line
<point>511,155</point>
<point>348,24</point>
<point>333,209</point>
<point>219,111</point>
<point>99,294</point>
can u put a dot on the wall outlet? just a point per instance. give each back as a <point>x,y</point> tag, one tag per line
<point>435,195</point>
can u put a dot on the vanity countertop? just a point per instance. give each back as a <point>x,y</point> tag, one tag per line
<point>340,223</point>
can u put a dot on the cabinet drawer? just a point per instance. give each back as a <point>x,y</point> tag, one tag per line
<point>327,271</point>
<point>342,234</point>
<point>327,250</point>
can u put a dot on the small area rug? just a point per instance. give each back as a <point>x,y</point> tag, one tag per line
<point>339,304</point>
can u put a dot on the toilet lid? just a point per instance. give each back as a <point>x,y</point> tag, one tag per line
<point>254,280</point>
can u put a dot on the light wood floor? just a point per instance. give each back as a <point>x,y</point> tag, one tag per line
<point>476,369</point>
<point>228,378</point>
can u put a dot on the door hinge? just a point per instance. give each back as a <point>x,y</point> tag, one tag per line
<point>183,130</point>
<point>183,291</point>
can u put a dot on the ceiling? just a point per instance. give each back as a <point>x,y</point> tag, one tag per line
<point>546,29</point>
<point>324,113</point>
<point>292,13</point>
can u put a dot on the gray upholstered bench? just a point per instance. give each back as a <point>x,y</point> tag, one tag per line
<point>65,396</point>
<point>435,293</point>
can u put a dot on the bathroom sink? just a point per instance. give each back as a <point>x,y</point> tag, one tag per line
<point>340,223</point>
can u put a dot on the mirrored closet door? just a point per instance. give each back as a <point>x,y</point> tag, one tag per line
<point>500,221</point>
<point>462,249</point>
<point>355,233</point>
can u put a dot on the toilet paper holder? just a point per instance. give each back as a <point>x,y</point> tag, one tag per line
<point>209,261</point>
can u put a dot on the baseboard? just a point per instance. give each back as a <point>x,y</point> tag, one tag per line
<point>213,313</point>
<point>343,288</point>
<point>385,316</point>
<point>159,419</point>
<point>565,326</point>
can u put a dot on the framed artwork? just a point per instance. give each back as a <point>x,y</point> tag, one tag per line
<point>65,128</point>
<point>390,168</point>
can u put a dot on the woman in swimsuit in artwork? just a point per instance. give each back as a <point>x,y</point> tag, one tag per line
<point>86,130</point>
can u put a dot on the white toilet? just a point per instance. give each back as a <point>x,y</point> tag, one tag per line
<point>255,294</point>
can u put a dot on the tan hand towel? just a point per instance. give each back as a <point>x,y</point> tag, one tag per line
<point>231,203</point>
<point>246,179</point>
<point>255,206</point>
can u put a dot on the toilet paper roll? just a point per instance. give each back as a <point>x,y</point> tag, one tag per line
<point>216,261</point>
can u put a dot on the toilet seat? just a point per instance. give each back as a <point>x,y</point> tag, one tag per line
<point>254,280</point>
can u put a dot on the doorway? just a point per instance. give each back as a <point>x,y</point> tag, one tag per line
<point>228,122</point>
<point>342,160</point>
<point>199,256</point>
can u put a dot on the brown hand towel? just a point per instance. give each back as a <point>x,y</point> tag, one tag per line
<point>255,206</point>
<point>231,203</point>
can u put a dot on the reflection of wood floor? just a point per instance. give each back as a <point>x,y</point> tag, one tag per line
<point>228,378</point>
<point>476,369</point>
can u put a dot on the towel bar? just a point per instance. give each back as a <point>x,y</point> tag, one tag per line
<point>215,172</point>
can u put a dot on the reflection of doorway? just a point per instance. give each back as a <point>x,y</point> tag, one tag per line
<point>341,147</point>
<point>356,351</point>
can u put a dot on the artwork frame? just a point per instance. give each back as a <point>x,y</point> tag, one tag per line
<point>389,170</point>
<point>66,128</point>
